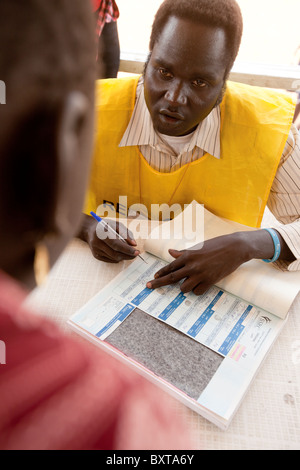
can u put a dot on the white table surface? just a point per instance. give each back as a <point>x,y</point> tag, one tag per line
<point>268,418</point>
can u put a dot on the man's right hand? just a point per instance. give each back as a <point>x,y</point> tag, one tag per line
<point>110,250</point>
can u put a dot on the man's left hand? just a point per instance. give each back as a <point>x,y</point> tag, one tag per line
<point>202,268</point>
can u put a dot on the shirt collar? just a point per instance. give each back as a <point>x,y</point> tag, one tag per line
<point>140,130</point>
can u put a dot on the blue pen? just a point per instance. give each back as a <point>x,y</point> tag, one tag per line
<point>110,229</point>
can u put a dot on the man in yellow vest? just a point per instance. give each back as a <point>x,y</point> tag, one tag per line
<point>182,133</point>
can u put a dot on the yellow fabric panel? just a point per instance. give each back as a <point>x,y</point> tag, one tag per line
<point>254,127</point>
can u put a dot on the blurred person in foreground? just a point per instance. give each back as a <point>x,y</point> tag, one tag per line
<point>182,132</point>
<point>54,392</point>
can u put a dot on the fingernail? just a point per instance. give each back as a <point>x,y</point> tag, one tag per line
<point>149,285</point>
<point>156,276</point>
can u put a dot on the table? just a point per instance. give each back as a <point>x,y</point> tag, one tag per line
<point>269,417</point>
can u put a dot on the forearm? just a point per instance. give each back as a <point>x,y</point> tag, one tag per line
<point>259,245</point>
<point>86,227</point>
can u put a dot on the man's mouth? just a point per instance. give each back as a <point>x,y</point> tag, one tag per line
<point>169,116</point>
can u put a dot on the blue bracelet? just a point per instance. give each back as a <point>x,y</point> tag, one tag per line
<point>277,245</point>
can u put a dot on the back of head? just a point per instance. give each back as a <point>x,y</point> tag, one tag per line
<point>47,52</point>
<point>46,46</point>
<point>225,14</point>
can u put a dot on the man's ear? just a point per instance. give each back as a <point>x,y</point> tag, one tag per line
<point>74,138</point>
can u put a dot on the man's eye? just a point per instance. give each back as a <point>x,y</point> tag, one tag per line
<point>199,83</point>
<point>165,74</point>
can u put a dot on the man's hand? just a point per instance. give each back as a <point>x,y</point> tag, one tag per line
<point>110,250</point>
<point>202,268</point>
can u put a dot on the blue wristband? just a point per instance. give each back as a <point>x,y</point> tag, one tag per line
<point>277,245</point>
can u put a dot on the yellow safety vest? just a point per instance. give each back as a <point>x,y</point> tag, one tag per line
<point>255,123</point>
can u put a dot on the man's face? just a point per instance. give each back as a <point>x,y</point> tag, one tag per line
<point>185,75</point>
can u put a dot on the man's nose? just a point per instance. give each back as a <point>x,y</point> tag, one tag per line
<point>175,94</point>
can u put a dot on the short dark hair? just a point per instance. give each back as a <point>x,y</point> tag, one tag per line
<point>225,14</point>
<point>48,49</point>
<point>48,45</point>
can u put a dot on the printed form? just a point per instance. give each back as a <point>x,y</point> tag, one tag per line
<point>239,332</point>
<point>216,319</point>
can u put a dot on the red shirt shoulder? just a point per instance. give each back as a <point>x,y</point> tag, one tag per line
<point>60,393</point>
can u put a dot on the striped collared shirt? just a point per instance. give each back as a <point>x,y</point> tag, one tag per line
<point>284,198</point>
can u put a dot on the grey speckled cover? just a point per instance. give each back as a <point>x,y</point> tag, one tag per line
<point>167,352</point>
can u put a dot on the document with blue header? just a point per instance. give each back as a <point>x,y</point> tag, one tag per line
<point>205,350</point>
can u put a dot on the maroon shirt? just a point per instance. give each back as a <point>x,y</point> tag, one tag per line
<point>60,393</point>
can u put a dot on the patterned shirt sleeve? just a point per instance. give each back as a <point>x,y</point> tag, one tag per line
<point>284,198</point>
